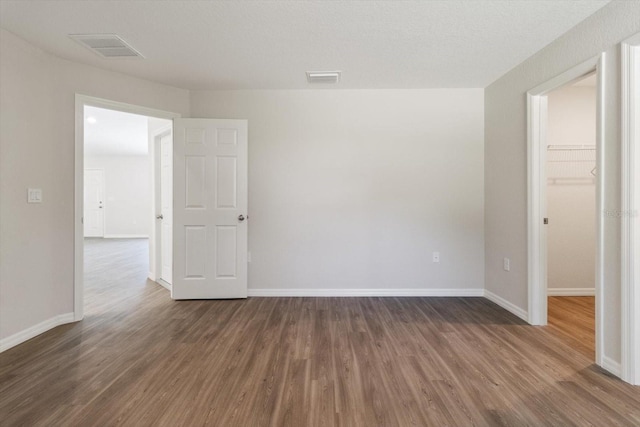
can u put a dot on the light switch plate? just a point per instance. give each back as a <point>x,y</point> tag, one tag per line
<point>34,195</point>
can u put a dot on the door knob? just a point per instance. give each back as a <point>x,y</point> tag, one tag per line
<point>241,218</point>
<point>159,216</point>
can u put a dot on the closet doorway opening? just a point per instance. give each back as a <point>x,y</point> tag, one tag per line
<point>571,213</point>
<point>565,205</point>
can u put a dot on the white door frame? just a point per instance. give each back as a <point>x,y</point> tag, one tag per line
<point>629,215</point>
<point>536,177</point>
<point>80,102</point>
<point>155,237</point>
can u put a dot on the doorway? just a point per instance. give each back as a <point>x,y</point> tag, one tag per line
<point>119,188</point>
<point>571,212</point>
<point>116,167</point>
<point>538,215</point>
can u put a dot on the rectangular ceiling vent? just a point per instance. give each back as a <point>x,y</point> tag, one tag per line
<point>106,45</point>
<point>323,76</point>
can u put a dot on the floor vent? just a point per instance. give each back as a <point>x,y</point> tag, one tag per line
<point>106,45</point>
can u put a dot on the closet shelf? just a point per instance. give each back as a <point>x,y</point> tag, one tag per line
<point>571,163</point>
<point>585,147</point>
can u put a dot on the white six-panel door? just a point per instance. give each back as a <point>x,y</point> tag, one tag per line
<point>93,216</point>
<point>210,209</point>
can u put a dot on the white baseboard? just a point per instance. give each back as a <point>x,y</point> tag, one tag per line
<point>35,330</point>
<point>151,276</point>
<point>611,366</point>
<point>571,292</point>
<point>126,236</point>
<point>164,284</point>
<point>512,308</point>
<point>365,292</point>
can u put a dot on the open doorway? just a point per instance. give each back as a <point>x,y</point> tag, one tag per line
<point>538,216</point>
<point>123,196</point>
<point>571,213</point>
<point>119,193</point>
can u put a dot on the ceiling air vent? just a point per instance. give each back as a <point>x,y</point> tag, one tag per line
<point>323,76</point>
<point>106,45</point>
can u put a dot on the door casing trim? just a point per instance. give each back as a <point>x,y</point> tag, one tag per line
<point>536,194</point>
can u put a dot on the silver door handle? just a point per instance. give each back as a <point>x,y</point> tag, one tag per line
<point>241,217</point>
<point>159,216</point>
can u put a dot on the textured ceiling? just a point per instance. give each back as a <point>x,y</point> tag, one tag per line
<point>269,45</point>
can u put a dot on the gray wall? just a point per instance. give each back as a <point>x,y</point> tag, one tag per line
<point>354,189</point>
<point>37,146</point>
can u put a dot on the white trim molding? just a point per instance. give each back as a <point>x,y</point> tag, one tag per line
<point>536,241</point>
<point>536,186</point>
<point>610,365</point>
<point>35,330</point>
<point>510,307</point>
<point>357,292</point>
<point>571,292</point>
<point>155,254</point>
<point>80,102</point>
<point>164,284</point>
<point>630,207</point>
<point>126,236</point>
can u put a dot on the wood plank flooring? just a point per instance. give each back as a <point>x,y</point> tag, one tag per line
<point>140,359</point>
<point>573,320</point>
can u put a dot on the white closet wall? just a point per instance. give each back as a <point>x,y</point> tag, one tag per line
<point>571,191</point>
<point>127,202</point>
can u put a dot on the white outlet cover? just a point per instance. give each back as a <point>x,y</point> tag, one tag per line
<point>34,195</point>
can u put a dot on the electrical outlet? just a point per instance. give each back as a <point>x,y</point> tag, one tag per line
<point>436,257</point>
<point>34,195</point>
<point>506,264</point>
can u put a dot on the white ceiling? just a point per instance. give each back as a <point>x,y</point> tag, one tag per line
<point>115,133</point>
<point>270,45</point>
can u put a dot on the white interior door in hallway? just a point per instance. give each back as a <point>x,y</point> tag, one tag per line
<point>166,203</point>
<point>210,209</point>
<point>93,203</point>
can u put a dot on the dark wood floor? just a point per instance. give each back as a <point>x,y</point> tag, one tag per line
<point>141,359</point>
